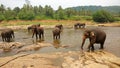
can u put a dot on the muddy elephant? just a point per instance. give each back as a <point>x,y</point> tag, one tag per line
<point>56,33</point>
<point>79,25</point>
<point>39,32</point>
<point>95,36</point>
<point>7,35</point>
<point>60,26</point>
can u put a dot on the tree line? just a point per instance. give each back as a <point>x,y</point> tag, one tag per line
<point>29,12</point>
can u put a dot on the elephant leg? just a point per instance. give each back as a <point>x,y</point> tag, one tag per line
<point>59,36</point>
<point>3,39</point>
<point>56,37</point>
<point>39,36</point>
<point>101,45</point>
<point>89,48</point>
<point>33,34</point>
<point>92,47</point>
<point>36,36</point>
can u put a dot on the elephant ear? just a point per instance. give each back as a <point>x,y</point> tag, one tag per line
<point>92,34</point>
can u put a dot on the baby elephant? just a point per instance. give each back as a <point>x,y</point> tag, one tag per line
<point>7,35</point>
<point>95,36</point>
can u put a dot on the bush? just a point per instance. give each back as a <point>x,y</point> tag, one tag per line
<point>117,18</point>
<point>102,16</point>
<point>26,15</point>
<point>2,17</point>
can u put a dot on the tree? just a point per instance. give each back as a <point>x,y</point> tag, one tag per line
<point>16,10</point>
<point>2,11</point>
<point>69,12</point>
<point>59,14</point>
<point>48,11</point>
<point>2,8</point>
<point>26,13</point>
<point>2,17</point>
<point>102,16</point>
<point>9,14</point>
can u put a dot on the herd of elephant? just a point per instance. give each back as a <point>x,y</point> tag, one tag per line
<point>94,35</point>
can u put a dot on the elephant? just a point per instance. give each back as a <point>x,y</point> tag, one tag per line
<point>38,31</point>
<point>79,25</point>
<point>56,33</point>
<point>60,26</point>
<point>95,36</point>
<point>7,35</point>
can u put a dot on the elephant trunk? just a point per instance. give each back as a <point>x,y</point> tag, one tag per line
<point>84,38</point>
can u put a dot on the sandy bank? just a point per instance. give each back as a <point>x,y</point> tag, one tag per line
<point>70,59</point>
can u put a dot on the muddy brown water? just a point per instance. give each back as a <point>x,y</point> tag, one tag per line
<point>71,38</point>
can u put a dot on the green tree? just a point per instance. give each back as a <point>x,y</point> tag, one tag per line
<point>9,14</point>
<point>2,17</point>
<point>2,11</point>
<point>59,14</point>
<point>48,11</point>
<point>2,8</point>
<point>69,12</point>
<point>26,13</point>
<point>103,16</point>
<point>16,10</point>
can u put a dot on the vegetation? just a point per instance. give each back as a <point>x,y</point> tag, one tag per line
<point>112,9</point>
<point>103,16</point>
<point>29,12</point>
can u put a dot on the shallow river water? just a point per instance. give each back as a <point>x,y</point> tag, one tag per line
<point>71,38</point>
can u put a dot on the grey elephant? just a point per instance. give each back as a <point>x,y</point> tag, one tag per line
<point>56,33</point>
<point>38,31</point>
<point>7,35</point>
<point>95,36</point>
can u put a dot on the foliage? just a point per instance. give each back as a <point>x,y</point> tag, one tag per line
<point>102,16</point>
<point>112,9</point>
<point>29,12</point>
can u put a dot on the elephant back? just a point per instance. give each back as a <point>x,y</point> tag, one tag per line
<point>56,30</point>
<point>40,29</point>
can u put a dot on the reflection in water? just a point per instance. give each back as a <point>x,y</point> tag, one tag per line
<point>56,43</point>
<point>35,41</point>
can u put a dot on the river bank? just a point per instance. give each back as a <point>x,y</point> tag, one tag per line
<point>70,59</point>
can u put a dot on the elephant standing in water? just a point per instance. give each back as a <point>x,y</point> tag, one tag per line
<point>79,25</point>
<point>56,33</point>
<point>7,35</point>
<point>38,31</point>
<point>95,36</point>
